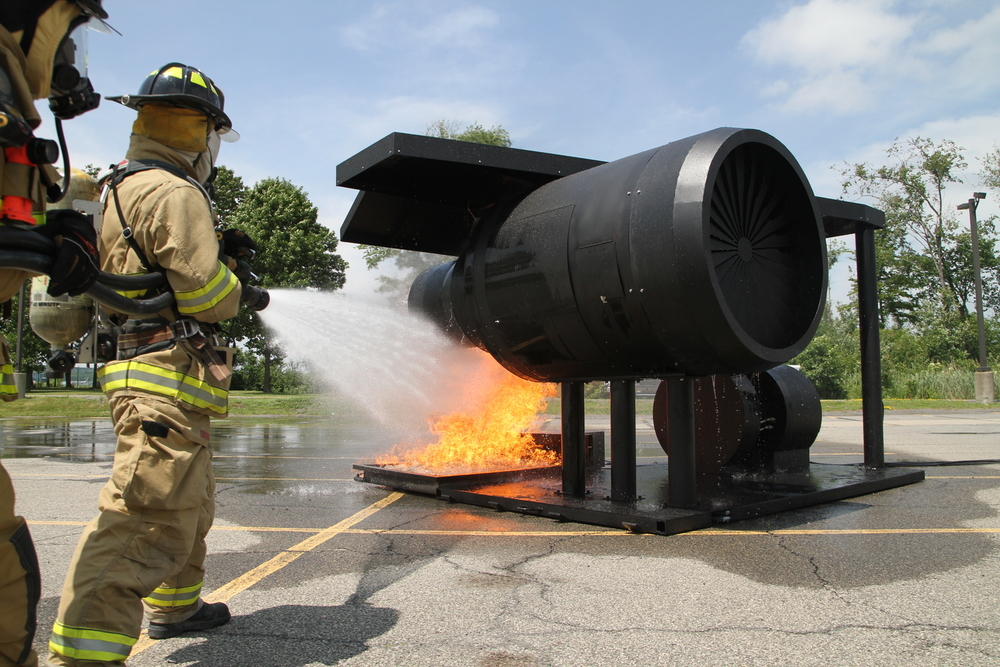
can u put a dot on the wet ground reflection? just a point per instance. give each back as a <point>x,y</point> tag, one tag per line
<point>246,451</point>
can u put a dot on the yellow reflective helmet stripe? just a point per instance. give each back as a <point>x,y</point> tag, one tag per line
<point>197,78</point>
<point>175,72</point>
<point>8,388</point>
<point>199,300</point>
<point>132,374</point>
<point>174,597</point>
<point>90,644</point>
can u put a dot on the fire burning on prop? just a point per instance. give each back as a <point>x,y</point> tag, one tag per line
<point>492,436</point>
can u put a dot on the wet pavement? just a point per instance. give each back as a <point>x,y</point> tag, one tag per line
<point>321,570</point>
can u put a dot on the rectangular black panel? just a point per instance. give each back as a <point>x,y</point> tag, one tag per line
<point>424,193</point>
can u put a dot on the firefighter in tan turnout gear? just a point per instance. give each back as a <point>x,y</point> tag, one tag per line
<point>42,55</point>
<point>146,548</point>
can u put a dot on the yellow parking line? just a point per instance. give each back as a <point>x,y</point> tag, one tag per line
<point>241,583</point>
<point>962,476</point>
<point>247,580</point>
<point>327,533</point>
<point>225,479</point>
<point>844,531</point>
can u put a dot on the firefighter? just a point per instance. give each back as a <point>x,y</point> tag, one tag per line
<point>146,548</point>
<point>41,56</point>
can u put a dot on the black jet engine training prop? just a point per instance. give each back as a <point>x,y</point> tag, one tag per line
<point>701,262</point>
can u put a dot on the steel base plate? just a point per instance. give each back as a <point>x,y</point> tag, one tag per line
<point>722,497</point>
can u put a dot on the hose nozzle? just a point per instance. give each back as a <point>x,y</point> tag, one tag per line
<point>255,298</point>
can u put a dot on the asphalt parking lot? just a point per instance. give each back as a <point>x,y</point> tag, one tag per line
<point>319,569</point>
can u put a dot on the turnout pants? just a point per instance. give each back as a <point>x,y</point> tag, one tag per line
<point>146,548</point>
<point>20,585</point>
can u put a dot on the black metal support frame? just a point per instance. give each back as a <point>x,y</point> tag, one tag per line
<point>871,358</point>
<point>623,460</point>
<point>839,219</point>
<point>574,471</point>
<point>681,475</point>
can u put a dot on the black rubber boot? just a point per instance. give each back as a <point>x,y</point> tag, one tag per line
<point>209,616</point>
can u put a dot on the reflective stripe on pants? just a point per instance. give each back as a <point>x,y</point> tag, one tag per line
<point>8,389</point>
<point>174,597</point>
<point>90,644</point>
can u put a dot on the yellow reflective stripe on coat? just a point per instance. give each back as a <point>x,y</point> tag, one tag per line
<point>174,597</point>
<point>7,385</point>
<point>204,298</point>
<point>157,380</point>
<point>89,644</point>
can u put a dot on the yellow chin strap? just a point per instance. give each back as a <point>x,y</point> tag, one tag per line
<point>185,129</point>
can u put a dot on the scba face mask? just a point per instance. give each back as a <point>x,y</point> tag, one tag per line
<point>71,93</point>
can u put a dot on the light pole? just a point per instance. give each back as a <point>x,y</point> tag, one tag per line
<point>985,388</point>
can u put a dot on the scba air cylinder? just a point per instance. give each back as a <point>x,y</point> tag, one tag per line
<point>62,320</point>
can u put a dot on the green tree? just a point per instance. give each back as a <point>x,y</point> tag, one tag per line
<point>229,192</point>
<point>294,250</point>
<point>475,133</point>
<point>409,264</point>
<point>34,350</point>
<point>911,192</point>
<point>991,169</point>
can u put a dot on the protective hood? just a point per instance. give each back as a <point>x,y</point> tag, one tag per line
<point>186,129</point>
<point>144,148</point>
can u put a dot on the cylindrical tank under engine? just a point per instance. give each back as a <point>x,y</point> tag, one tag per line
<point>704,256</point>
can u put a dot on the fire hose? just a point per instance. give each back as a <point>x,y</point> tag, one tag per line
<point>28,251</point>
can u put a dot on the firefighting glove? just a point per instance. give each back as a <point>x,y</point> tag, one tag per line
<point>77,263</point>
<point>236,244</point>
<point>242,271</point>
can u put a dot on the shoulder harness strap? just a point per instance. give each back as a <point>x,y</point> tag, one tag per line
<point>121,171</point>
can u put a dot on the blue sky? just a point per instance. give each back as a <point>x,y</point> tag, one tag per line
<point>309,83</point>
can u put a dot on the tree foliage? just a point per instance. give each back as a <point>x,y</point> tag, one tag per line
<point>924,252</point>
<point>991,170</point>
<point>34,351</point>
<point>228,194</point>
<point>294,250</point>
<point>409,264</point>
<point>475,133</point>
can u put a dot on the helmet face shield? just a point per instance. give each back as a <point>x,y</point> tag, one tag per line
<point>229,135</point>
<point>73,51</point>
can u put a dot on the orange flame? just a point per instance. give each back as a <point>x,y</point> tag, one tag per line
<point>492,436</point>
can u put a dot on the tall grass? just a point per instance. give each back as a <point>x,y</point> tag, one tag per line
<point>934,382</point>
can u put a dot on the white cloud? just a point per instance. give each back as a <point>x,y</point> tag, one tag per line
<point>839,91</point>
<point>830,35</point>
<point>846,56</point>
<point>975,48</point>
<point>426,26</point>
